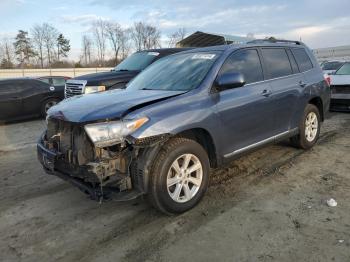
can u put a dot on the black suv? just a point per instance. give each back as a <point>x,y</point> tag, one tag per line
<point>120,75</point>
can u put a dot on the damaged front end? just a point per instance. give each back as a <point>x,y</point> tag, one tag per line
<point>119,171</point>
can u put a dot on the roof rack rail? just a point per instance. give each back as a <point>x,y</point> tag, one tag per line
<point>274,40</point>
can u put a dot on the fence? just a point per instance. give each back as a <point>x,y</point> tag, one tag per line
<point>71,72</point>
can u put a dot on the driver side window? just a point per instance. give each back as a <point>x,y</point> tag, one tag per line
<point>246,62</point>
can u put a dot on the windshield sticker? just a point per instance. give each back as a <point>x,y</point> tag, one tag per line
<point>203,56</point>
<point>153,53</point>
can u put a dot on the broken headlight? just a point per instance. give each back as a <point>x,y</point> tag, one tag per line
<point>110,133</point>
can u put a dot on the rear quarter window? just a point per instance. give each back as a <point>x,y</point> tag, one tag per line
<point>277,62</point>
<point>302,59</point>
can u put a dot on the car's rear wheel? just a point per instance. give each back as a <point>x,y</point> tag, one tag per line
<point>179,176</point>
<point>309,128</point>
<point>48,104</point>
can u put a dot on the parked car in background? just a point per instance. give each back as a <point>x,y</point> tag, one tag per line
<point>22,98</point>
<point>183,115</point>
<point>119,76</point>
<point>330,67</point>
<point>340,88</point>
<point>56,81</point>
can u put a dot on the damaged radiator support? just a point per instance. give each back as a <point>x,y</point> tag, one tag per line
<point>122,168</point>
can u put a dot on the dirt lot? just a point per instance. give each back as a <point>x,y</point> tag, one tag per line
<point>267,206</point>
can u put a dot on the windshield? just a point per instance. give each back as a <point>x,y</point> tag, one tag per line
<point>344,70</point>
<point>332,65</point>
<point>180,72</point>
<point>137,61</point>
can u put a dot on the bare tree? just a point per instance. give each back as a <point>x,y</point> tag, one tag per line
<point>176,37</point>
<point>151,37</point>
<point>50,35</point>
<point>100,36</point>
<point>125,44</point>
<point>137,35</point>
<point>145,36</point>
<point>87,49</point>
<point>38,41</point>
<point>114,35</point>
<point>6,53</point>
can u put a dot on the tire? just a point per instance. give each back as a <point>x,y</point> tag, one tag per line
<point>171,199</point>
<point>47,104</point>
<point>308,135</point>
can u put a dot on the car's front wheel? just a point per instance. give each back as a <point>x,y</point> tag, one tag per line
<point>309,128</point>
<point>179,177</point>
<point>47,104</point>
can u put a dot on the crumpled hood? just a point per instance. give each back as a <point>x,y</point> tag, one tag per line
<point>112,104</point>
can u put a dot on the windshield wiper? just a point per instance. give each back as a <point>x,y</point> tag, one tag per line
<point>123,70</point>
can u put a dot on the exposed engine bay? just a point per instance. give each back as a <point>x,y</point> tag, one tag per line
<point>99,171</point>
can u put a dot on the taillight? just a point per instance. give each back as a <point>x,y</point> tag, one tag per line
<point>327,78</point>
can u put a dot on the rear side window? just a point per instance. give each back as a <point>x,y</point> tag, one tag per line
<point>303,59</point>
<point>246,62</point>
<point>344,70</point>
<point>277,62</point>
<point>332,65</point>
<point>45,80</point>
<point>58,81</point>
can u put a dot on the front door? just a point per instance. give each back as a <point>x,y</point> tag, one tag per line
<point>245,112</point>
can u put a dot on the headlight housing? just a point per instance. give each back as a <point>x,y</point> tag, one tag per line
<point>94,89</point>
<point>110,133</point>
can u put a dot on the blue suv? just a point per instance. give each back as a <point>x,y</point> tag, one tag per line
<point>183,115</point>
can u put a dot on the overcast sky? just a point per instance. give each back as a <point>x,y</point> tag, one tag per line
<point>319,23</point>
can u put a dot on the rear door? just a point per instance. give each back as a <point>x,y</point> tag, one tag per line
<point>10,100</point>
<point>287,86</point>
<point>245,112</point>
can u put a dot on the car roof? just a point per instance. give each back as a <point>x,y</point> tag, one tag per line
<point>52,77</point>
<point>16,79</point>
<point>19,79</point>
<point>238,46</point>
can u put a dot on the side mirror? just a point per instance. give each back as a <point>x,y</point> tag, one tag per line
<point>229,80</point>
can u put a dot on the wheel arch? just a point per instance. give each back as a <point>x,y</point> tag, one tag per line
<point>317,101</point>
<point>204,138</point>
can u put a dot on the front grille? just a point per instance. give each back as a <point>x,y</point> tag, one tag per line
<point>340,89</point>
<point>74,87</point>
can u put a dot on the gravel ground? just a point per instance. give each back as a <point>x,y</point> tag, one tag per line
<point>267,206</point>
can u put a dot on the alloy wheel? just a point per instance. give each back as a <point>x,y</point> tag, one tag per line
<point>311,126</point>
<point>184,178</point>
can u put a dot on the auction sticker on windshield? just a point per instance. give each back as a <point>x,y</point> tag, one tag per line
<point>203,56</point>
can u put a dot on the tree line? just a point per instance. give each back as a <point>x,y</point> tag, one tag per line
<point>105,44</point>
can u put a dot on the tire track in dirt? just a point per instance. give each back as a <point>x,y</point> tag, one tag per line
<point>161,239</point>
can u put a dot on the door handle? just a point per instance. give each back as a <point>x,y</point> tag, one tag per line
<point>302,83</point>
<point>266,92</point>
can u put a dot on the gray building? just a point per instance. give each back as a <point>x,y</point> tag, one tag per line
<point>333,53</point>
